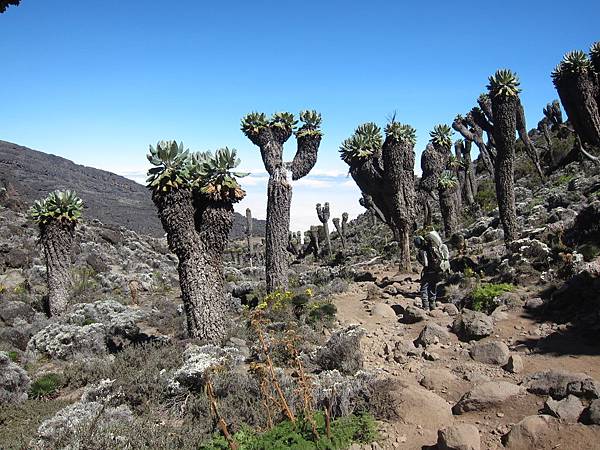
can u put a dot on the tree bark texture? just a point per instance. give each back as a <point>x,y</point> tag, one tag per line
<point>399,163</point>
<point>57,240</point>
<point>279,194</point>
<point>505,124</point>
<point>448,207</point>
<point>578,94</point>
<point>198,235</point>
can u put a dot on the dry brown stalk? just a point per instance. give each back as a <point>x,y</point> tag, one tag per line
<point>215,411</point>
<point>256,323</point>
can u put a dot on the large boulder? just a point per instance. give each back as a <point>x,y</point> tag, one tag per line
<point>569,408</point>
<point>14,382</point>
<point>472,325</point>
<point>412,314</point>
<point>493,352</point>
<point>432,333</point>
<point>383,311</point>
<point>413,405</point>
<point>14,310</point>
<point>528,433</point>
<point>560,383</point>
<point>593,412</point>
<point>462,436</point>
<point>486,395</point>
<point>342,351</point>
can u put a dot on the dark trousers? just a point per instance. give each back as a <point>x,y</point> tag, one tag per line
<point>429,284</point>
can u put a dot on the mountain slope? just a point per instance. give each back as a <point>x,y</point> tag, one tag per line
<point>110,198</point>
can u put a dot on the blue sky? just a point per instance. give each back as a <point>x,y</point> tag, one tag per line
<point>97,81</point>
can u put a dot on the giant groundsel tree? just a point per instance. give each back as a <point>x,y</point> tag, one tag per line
<point>383,169</point>
<point>504,95</point>
<point>57,216</point>
<point>194,195</point>
<point>270,134</point>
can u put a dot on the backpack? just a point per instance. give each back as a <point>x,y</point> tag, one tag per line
<point>438,256</point>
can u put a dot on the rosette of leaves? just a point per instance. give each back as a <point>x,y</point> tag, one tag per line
<point>253,123</point>
<point>401,132</point>
<point>595,56</point>
<point>311,124</point>
<point>573,62</point>
<point>63,206</point>
<point>447,180</point>
<point>171,166</point>
<point>213,175</point>
<point>365,141</point>
<point>441,135</point>
<point>504,83</point>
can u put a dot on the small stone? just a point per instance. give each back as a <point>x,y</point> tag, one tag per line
<point>515,364</point>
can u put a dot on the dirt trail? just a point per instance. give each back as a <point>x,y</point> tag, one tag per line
<point>452,372</point>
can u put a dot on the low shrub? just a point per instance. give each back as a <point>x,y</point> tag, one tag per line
<point>286,435</point>
<point>46,385</point>
<point>483,296</point>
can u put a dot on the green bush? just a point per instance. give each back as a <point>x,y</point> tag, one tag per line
<point>287,436</point>
<point>14,356</point>
<point>46,385</point>
<point>483,295</point>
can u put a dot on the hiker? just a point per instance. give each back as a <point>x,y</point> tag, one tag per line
<point>433,255</point>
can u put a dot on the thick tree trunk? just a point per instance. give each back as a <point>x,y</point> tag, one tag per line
<point>327,238</point>
<point>200,260</point>
<point>577,93</point>
<point>505,127</point>
<point>470,188</point>
<point>57,240</point>
<point>399,163</point>
<point>279,193</point>
<point>341,233</point>
<point>449,211</point>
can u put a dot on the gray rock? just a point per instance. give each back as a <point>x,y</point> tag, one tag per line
<point>593,412</point>
<point>560,383</point>
<point>14,382</point>
<point>486,395</point>
<point>383,311</point>
<point>450,309</point>
<point>16,310</point>
<point>412,314</point>
<point>472,325</point>
<point>432,333</point>
<point>533,304</point>
<point>528,432</point>
<point>493,352</point>
<point>463,436</point>
<point>403,350</point>
<point>438,379</point>
<point>568,409</point>
<point>514,364</point>
<point>414,405</point>
<point>198,360</point>
<point>342,351</point>
<point>63,341</point>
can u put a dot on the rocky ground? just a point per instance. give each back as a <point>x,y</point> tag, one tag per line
<point>519,373</point>
<point>514,387</point>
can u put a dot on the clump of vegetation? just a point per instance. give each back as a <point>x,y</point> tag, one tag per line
<point>46,385</point>
<point>483,296</point>
<point>339,434</point>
